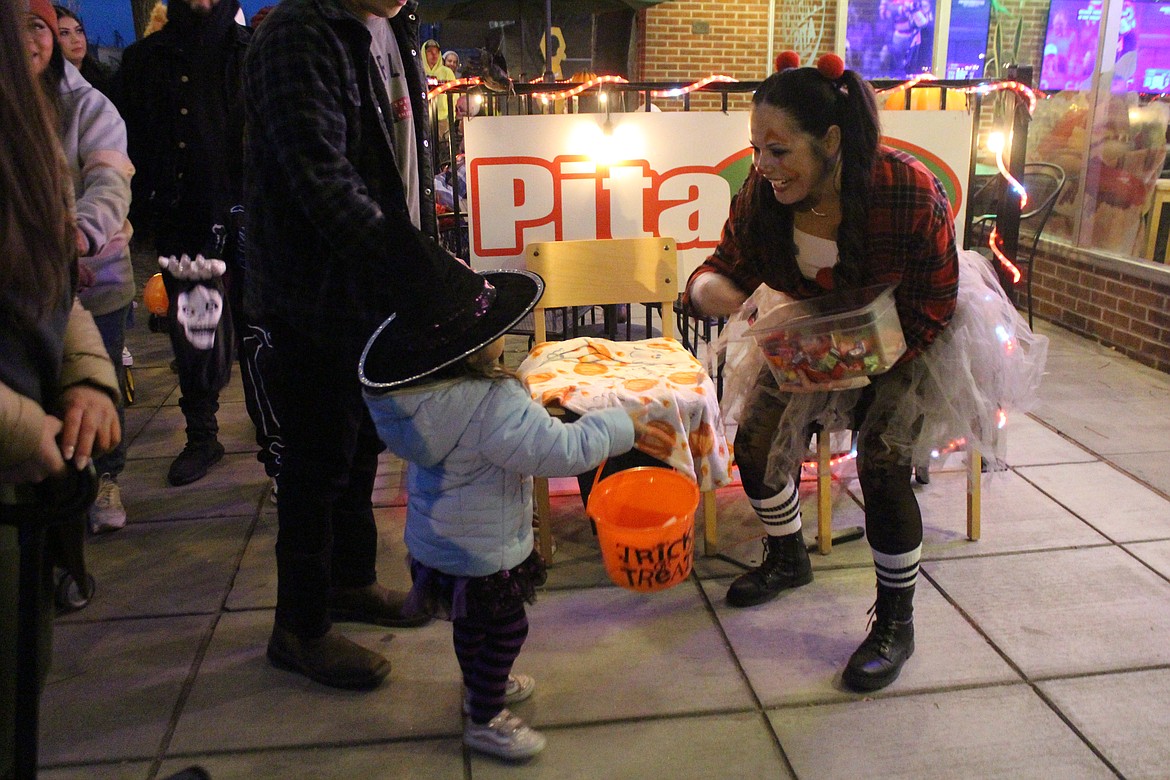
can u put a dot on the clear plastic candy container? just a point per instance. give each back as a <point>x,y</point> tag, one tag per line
<point>831,342</point>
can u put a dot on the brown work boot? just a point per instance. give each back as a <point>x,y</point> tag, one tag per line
<point>373,604</point>
<point>330,660</point>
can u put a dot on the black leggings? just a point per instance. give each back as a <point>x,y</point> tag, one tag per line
<point>893,521</point>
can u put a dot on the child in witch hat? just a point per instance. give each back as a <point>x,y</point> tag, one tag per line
<point>473,438</point>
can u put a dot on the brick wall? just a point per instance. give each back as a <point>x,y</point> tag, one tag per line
<point>1033,18</point>
<point>1116,303</point>
<point>1106,301</point>
<point>687,40</point>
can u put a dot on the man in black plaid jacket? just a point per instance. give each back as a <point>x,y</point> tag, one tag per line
<point>341,219</point>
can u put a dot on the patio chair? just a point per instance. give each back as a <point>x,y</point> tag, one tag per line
<point>825,539</point>
<point>1044,183</point>
<point>614,271</point>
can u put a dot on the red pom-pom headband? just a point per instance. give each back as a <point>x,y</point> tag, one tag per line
<point>830,66</point>
<point>787,59</point>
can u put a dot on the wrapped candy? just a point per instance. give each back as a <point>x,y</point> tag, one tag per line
<point>833,341</point>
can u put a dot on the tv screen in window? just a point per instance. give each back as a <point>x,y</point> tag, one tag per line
<point>1070,45</point>
<point>967,40</point>
<point>890,39</point>
<point>1143,48</point>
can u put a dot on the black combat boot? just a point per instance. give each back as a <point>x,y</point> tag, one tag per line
<point>785,565</point>
<point>878,661</point>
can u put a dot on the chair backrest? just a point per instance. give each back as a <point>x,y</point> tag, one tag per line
<point>605,271</point>
<point>1044,183</point>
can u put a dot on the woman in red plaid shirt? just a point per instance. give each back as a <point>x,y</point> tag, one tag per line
<point>827,207</point>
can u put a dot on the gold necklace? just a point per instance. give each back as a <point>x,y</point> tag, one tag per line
<point>814,211</point>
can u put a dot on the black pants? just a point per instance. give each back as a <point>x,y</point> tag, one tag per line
<point>204,373</point>
<point>253,342</point>
<point>327,534</point>
<point>893,521</point>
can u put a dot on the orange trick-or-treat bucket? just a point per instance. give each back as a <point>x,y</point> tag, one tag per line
<point>645,520</point>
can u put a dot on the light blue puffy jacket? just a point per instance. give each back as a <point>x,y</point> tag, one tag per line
<point>473,445</point>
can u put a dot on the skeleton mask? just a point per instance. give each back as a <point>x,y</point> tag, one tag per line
<point>199,310</point>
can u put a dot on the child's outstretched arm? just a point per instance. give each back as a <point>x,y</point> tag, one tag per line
<point>517,434</point>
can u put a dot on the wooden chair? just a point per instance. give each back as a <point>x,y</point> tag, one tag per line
<point>598,273</point>
<point>825,494</point>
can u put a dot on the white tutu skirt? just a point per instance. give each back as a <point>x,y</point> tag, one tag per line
<point>985,364</point>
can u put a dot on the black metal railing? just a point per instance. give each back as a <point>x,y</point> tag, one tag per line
<point>526,99</point>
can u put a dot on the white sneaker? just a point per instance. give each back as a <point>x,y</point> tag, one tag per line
<point>107,513</point>
<point>505,736</point>
<point>519,688</point>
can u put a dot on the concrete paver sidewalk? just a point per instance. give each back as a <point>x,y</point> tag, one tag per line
<point>1038,646</point>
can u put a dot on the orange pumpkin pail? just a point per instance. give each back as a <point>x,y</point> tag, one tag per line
<point>154,295</point>
<point>645,520</point>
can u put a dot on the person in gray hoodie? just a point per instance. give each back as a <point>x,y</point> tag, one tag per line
<point>473,439</point>
<point>93,137</point>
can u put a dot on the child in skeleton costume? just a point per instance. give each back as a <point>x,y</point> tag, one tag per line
<point>179,93</point>
<point>828,208</point>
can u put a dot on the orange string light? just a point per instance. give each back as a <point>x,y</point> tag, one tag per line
<point>1023,90</point>
<point>908,84</point>
<point>680,91</point>
<point>835,461</point>
<point>996,142</point>
<point>950,447</point>
<point>993,243</point>
<point>579,88</point>
<point>1012,181</point>
<point>446,86</point>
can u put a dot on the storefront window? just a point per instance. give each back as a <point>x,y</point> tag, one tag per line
<point>1059,134</point>
<point>1126,154</point>
<point>1110,138</point>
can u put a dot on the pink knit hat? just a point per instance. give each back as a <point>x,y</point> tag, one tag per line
<point>44,10</point>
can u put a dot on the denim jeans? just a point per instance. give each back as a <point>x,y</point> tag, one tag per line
<point>112,326</point>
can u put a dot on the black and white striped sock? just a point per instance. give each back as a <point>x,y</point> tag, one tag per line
<point>897,571</point>
<point>780,513</point>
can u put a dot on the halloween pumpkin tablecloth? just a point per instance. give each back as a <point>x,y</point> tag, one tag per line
<point>657,378</point>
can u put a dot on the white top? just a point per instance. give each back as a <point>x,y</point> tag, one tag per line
<point>814,254</point>
<point>384,50</point>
